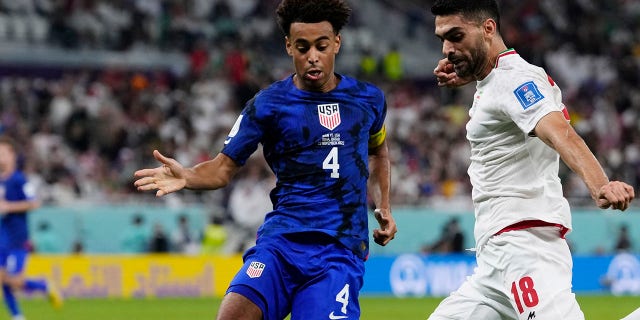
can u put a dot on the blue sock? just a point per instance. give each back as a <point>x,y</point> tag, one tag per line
<point>10,300</point>
<point>31,285</point>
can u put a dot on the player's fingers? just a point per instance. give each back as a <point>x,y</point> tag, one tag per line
<point>147,187</point>
<point>630,193</point>
<point>166,189</point>
<point>617,195</point>
<point>381,237</point>
<point>145,181</point>
<point>145,172</point>
<point>162,158</point>
<point>624,193</point>
<point>603,203</point>
<point>440,67</point>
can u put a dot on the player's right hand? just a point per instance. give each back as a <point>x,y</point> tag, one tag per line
<point>388,228</point>
<point>446,75</point>
<point>166,179</point>
<point>616,195</point>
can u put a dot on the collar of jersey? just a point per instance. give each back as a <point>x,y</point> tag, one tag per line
<point>507,52</point>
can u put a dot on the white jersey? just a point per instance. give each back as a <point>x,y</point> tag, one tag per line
<point>514,174</point>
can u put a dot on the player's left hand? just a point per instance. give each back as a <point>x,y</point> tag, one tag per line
<point>446,75</point>
<point>616,195</point>
<point>388,228</point>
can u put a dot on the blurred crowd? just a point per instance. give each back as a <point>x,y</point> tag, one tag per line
<point>85,131</point>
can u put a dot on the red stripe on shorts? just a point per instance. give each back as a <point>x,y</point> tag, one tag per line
<point>532,224</point>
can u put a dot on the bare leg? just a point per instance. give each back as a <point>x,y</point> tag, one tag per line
<point>237,307</point>
<point>633,316</point>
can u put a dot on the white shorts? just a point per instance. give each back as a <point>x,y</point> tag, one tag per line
<point>521,274</point>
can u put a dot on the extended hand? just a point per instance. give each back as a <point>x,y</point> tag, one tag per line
<point>615,194</point>
<point>387,229</point>
<point>166,179</point>
<point>446,75</point>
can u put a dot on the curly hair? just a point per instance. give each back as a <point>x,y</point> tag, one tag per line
<point>336,12</point>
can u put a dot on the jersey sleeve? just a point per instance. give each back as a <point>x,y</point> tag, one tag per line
<point>378,132</point>
<point>246,134</point>
<point>18,188</point>
<point>530,98</point>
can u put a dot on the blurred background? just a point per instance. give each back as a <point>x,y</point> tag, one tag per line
<point>90,87</point>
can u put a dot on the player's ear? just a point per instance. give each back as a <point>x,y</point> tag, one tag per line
<point>288,46</point>
<point>490,27</point>
<point>338,41</point>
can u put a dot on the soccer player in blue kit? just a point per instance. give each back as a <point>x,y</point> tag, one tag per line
<point>323,136</point>
<point>17,197</point>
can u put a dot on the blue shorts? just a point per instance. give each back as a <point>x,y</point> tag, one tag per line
<point>310,275</point>
<point>13,261</point>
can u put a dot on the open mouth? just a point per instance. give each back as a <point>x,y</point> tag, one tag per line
<point>313,75</point>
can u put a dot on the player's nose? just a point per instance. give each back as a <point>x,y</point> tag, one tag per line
<point>447,48</point>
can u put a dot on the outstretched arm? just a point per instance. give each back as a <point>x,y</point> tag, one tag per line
<point>18,206</point>
<point>171,176</point>
<point>379,185</point>
<point>556,132</point>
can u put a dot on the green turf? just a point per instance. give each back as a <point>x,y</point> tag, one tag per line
<point>594,307</point>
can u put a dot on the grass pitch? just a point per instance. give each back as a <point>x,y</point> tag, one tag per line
<point>373,308</point>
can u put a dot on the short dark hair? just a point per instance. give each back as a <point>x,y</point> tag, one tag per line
<point>336,12</point>
<point>474,10</point>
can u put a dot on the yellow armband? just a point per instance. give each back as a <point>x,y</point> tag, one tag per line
<point>377,139</point>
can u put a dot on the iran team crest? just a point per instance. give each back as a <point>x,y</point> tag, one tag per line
<point>329,115</point>
<point>255,269</point>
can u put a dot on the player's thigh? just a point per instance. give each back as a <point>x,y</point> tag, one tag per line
<point>333,293</point>
<point>13,262</point>
<point>539,276</point>
<point>479,297</point>
<point>263,281</point>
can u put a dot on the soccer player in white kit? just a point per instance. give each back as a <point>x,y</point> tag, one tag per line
<point>518,130</point>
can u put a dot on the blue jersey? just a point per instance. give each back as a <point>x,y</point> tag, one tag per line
<point>14,231</point>
<point>317,146</point>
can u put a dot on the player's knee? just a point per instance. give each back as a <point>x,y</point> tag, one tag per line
<point>15,282</point>
<point>235,306</point>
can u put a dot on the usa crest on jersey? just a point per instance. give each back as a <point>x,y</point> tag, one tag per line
<point>255,269</point>
<point>329,115</point>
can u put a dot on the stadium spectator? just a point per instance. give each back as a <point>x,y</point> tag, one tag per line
<point>451,240</point>
<point>311,248</point>
<point>17,198</point>
<point>135,237</point>
<point>184,239</point>
<point>77,247</point>
<point>599,87</point>
<point>215,236</point>
<point>248,215</point>
<point>159,242</point>
<point>623,240</point>
<point>369,68</point>
<point>518,131</point>
<point>30,95</point>
<point>392,64</point>
<point>45,240</point>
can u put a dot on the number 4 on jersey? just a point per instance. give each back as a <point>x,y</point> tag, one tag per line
<point>331,163</point>
<point>343,297</point>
